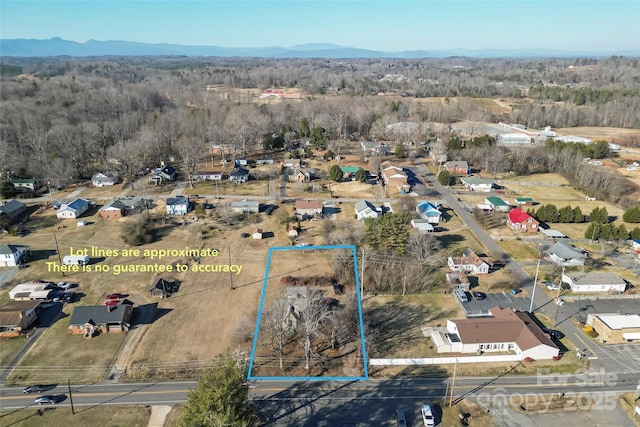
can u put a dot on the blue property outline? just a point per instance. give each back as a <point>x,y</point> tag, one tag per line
<point>264,290</point>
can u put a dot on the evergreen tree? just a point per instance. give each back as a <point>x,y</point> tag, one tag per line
<point>622,233</point>
<point>399,151</point>
<point>361,175</point>
<point>444,177</point>
<point>599,215</point>
<point>335,173</point>
<point>565,214</point>
<point>632,215</point>
<point>578,216</point>
<point>221,398</point>
<point>635,233</point>
<point>390,232</point>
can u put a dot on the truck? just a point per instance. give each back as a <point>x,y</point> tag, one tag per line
<point>75,260</point>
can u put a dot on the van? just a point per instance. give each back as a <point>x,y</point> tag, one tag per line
<point>461,295</point>
<point>75,260</point>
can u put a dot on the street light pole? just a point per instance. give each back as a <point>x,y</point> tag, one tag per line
<point>535,284</point>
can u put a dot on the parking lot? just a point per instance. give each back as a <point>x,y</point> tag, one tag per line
<point>502,299</point>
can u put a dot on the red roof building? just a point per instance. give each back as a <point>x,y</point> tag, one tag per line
<point>522,221</point>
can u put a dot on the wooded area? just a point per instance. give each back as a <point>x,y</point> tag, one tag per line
<point>63,119</point>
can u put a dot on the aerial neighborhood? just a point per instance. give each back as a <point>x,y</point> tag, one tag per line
<point>326,230</point>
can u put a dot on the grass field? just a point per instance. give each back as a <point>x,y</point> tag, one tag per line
<point>9,347</point>
<point>105,416</point>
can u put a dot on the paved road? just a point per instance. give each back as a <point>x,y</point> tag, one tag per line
<point>324,403</point>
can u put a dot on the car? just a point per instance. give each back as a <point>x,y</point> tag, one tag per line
<point>553,334</point>
<point>36,388</point>
<point>479,295</point>
<point>550,285</point>
<point>400,418</point>
<point>66,285</point>
<point>427,416</point>
<point>269,209</point>
<point>68,296</point>
<point>114,296</point>
<point>46,399</point>
<point>111,302</point>
<point>245,235</point>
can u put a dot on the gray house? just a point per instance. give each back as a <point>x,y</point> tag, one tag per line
<point>12,209</point>
<point>565,255</point>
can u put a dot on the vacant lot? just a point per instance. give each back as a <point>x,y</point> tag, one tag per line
<point>105,416</point>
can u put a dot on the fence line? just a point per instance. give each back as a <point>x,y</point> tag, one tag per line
<point>444,360</point>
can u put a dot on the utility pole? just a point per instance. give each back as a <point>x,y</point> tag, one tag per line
<point>73,412</point>
<point>362,276</point>
<point>230,273</point>
<point>535,284</point>
<point>453,382</point>
<point>58,250</point>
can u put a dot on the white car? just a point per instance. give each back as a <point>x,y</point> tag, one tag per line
<point>427,416</point>
<point>552,286</point>
<point>66,285</point>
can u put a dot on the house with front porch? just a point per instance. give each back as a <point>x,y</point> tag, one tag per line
<point>239,175</point>
<point>308,208</point>
<point>73,210</point>
<point>100,179</point>
<point>177,205</point>
<point>482,185</point>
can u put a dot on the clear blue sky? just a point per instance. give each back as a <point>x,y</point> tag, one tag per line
<point>380,25</point>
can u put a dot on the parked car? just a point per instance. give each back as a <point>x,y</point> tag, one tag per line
<point>68,296</point>
<point>46,399</point>
<point>550,285</point>
<point>553,334</point>
<point>245,235</point>
<point>66,285</point>
<point>427,416</point>
<point>115,296</point>
<point>111,302</point>
<point>269,209</point>
<point>36,388</point>
<point>400,418</point>
<point>479,295</point>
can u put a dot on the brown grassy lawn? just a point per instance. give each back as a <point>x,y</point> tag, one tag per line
<point>519,251</point>
<point>59,355</point>
<point>399,321</point>
<point>107,192</point>
<point>105,416</point>
<point>173,417</point>
<point>9,347</point>
<point>478,415</point>
<point>600,133</point>
<point>627,403</point>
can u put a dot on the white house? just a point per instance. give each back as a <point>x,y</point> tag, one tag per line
<point>565,255</point>
<point>507,331</point>
<point>207,176</point>
<point>473,183</point>
<point>73,210</point>
<point>239,175</point>
<point>422,225</point>
<point>469,262</point>
<point>246,206</point>
<point>429,211</point>
<point>13,255</point>
<point>177,205</point>
<point>595,282</point>
<point>365,209</point>
<point>100,179</point>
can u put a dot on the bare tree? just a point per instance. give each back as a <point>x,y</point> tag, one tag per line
<point>311,322</point>
<point>128,157</point>
<point>190,150</point>
<point>276,329</point>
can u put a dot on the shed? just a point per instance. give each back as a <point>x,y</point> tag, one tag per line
<point>163,288</point>
<point>553,234</point>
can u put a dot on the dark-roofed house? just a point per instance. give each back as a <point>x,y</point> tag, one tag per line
<point>113,209</point>
<point>166,173</point>
<point>239,175</point>
<point>17,316</point>
<point>177,205</point>
<point>469,262</point>
<point>507,331</point>
<point>12,209</point>
<point>73,210</point>
<point>519,220</point>
<point>91,319</point>
<point>458,167</point>
<point>13,255</point>
<point>566,255</point>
